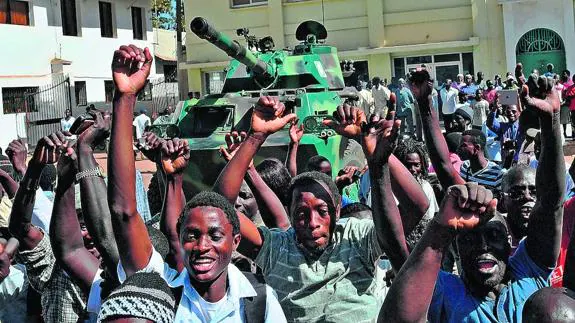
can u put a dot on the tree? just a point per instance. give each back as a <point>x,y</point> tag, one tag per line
<point>163,14</point>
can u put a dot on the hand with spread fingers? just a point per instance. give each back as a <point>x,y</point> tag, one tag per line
<point>466,206</point>
<point>348,122</point>
<point>152,147</point>
<point>268,116</point>
<point>295,131</point>
<point>50,147</point>
<point>539,94</point>
<point>99,130</point>
<point>233,140</point>
<point>8,250</point>
<point>131,67</point>
<point>421,86</point>
<point>17,153</point>
<point>175,156</point>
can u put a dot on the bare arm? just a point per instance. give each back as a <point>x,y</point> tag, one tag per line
<point>407,301</point>
<point>65,235</point>
<point>409,193</point>
<point>271,208</point>
<point>436,145</point>
<point>545,221</point>
<point>130,231</point>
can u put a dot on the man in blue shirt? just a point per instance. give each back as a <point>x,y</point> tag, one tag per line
<point>493,287</point>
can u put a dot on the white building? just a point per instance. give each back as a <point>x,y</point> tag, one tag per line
<point>43,40</point>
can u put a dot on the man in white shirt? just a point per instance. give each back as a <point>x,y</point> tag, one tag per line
<point>381,95</point>
<point>141,122</point>
<point>67,122</point>
<point>449,97</point>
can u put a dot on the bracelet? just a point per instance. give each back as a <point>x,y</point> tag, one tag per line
<point>94,172</point>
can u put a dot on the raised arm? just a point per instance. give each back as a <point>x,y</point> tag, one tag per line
<point>544,229</point>
<point>267,119</point>
<point>421,86</point>
<point>412,289</point>
<point>271,209</point>
<point>47,151</point>
<point>65,234</point>
<point>409,193</point>
<point>93,191</point>
<point>378,140</point>
<point>130,68</point>
<point>295,134</point>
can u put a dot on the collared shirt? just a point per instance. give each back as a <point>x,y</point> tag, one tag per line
<point>13,295</point>
<point>229,309</point>
<point>62,300</point>
<point>337,287</point>
<point>405,101</point>
<point>452,301</point>
<point>449,100</point>
<point>490,176</point>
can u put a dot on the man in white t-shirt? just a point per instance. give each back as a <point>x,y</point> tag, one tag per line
<point>449,98</point>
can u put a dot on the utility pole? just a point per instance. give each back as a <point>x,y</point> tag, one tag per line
<point>182,74</point>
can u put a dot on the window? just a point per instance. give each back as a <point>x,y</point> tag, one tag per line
<point>214,82</point>
<point>80,91</point>
<point>246,3</point>
<point>137,23</point>
<point>69,21</point>
<point>109,90</point>
<point>146,93</point>
<point>106,21</point>
<point>19,99</point>
<point>170,73</point>
<point>14,12</point>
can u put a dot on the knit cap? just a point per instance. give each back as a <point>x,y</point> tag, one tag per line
<point>142,295</point>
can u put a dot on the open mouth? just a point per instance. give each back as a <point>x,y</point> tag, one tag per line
<point>486,266</point>
<point>203,264</point>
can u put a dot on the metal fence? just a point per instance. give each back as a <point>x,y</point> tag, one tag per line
<point>45,107</point>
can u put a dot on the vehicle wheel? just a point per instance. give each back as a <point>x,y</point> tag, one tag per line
<point>352,155</point>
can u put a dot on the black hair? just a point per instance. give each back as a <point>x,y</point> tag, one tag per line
<point>307,178</point>
<point>159,241</point>
<point>453,140</point>
<point>212,199</point>
<point>352,209</point>
<point>410,146</point>
<point>314,162</point>
<point>277,177</point>
<point>48,178</point>
<point>477,137</point>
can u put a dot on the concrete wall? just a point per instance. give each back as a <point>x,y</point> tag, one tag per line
<point>28,50</point>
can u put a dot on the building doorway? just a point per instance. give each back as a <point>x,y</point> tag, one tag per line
<point>540,47</point>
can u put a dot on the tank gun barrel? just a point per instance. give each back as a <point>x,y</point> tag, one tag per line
<point>202,28</point>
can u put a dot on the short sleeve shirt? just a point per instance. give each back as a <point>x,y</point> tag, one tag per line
<point>452,301</point>
<point>338,286</point>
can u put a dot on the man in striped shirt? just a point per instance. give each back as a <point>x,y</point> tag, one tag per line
<point>476,167</point>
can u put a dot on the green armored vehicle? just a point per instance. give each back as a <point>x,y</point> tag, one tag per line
<point>308,79</point>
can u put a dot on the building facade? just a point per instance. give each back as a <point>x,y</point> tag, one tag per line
<point>58,52</point>
<point>388,38</point>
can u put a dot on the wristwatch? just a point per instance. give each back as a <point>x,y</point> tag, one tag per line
<point>94,172</point>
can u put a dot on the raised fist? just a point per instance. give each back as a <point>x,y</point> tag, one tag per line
<point>98,131</point>
<point>130,69</point>
<point>50,147</point>
<point>17,153</point>
<point>268,116</point>
<point>466,206</point>
<point>175,156</point>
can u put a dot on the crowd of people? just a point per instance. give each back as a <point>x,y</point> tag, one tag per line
<point>468,225</point>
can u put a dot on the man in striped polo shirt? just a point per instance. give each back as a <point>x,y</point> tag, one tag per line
<point>476,167</point>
